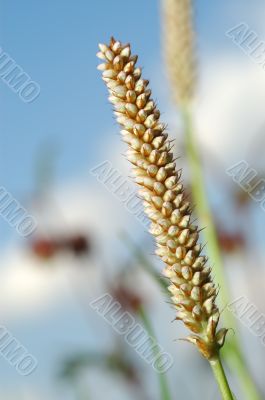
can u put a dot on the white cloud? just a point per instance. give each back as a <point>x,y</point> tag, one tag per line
<point>28,284</point>
<point>230,106</point>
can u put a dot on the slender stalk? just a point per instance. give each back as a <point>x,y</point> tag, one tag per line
<point>237,363</point>
<point>204,211</point>
<point>221,379</point>
<point>232,350</point>
<point>164,390</point>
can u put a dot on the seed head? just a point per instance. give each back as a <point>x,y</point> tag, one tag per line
<point>178,42</point>
<point>192,291</point>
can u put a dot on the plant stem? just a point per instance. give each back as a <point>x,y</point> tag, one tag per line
<point>204,211</point>
<point>236,362</point>
<point>164,390</point>
<point>232,350</point>
<point>221,379</point>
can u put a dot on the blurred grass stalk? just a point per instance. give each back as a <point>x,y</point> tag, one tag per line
<point>178,40</point>
<point>164,390</point>
<point>232,351</point>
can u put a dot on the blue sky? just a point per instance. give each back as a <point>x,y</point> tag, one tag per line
<point>55,42</point>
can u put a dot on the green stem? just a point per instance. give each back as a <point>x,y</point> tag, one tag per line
<point>232,350</point>
<point>164,390</point>
<point>221,379</point>
<point>237,362</point>
<point>204,211</point>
